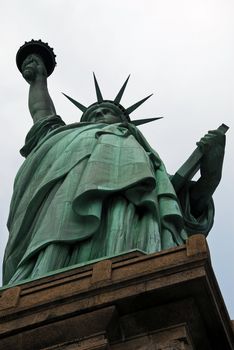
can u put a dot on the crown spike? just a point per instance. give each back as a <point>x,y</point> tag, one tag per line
<point>121,91</point>
<point>98,91</point>
<point>137,104</point>
<point>76,103</point>
<point>144,121</point>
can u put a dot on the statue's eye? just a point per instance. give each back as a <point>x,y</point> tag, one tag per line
<point>98,114</point>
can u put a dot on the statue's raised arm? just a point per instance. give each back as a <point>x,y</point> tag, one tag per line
<point>36,62</point>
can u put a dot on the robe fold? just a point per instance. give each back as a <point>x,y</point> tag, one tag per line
<point>88,191</point>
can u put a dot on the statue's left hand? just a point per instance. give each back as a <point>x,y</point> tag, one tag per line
<point>212,146</point>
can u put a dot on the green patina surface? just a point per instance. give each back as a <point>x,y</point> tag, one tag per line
<point>95,189</point>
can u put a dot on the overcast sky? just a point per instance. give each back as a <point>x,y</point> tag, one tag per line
<point>182,51</point>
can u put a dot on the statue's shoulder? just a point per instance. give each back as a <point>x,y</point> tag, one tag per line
<point>39,130</point>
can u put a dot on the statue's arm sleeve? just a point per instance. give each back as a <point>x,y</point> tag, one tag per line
<point>39,130</point>
<point>201,224</point>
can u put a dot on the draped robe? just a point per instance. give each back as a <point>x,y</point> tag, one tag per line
<point>88,191</point>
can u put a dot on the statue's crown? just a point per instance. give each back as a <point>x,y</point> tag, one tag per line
<point>115,104</point>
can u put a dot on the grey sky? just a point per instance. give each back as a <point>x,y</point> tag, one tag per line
<point>182,51</point>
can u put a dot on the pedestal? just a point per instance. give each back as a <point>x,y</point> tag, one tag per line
<point>163,301</point>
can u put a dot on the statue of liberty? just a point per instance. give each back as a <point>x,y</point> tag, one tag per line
<point>95,188</point>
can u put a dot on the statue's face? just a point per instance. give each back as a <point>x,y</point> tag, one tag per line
<point>105,115</point>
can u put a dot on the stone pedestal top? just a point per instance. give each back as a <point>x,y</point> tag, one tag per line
<point>166,300</point>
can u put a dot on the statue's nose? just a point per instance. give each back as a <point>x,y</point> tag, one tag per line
<point>100,114</point>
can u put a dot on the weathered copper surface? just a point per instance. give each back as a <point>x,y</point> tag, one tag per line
<point>95,189</point>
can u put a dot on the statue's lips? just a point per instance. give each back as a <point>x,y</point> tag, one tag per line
<point>106,119</point>
<point>101,120</point>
